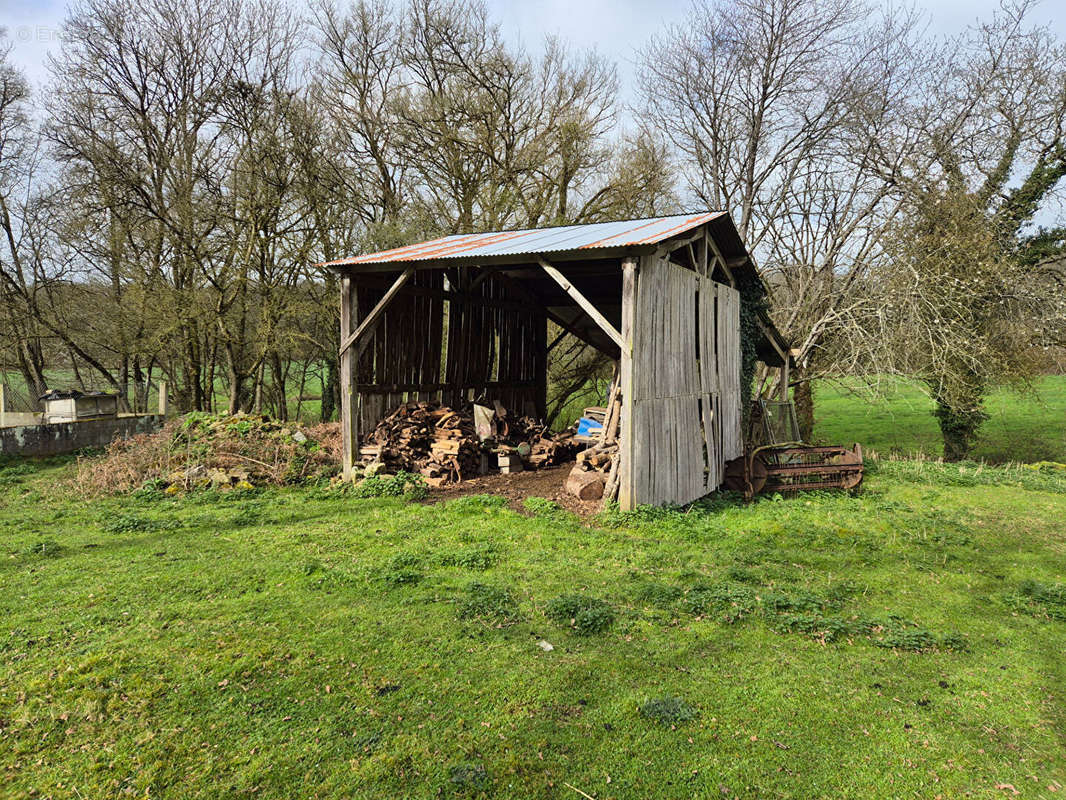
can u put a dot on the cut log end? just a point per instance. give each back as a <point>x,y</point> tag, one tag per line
<point>585,485</point>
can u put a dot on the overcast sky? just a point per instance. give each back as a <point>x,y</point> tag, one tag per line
<point>616,28</point>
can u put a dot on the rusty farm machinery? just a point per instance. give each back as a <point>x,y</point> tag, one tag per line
<point>775,460</point>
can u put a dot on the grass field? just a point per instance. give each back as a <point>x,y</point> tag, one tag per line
<point>903,642</point>
<point>1025,428</point>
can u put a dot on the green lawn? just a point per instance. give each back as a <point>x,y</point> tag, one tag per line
<point>1025,428</point>
<point>903,642</point>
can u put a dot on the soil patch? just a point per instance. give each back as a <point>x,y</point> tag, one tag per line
<point>547,482</point>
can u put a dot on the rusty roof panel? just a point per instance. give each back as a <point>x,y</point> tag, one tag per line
<point>623,233</point>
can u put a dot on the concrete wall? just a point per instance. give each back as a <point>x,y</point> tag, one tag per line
<point>66,437</point>
<point>11,419</point>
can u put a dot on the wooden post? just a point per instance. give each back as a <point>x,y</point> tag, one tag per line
<point>163,399</point>
<point>784,380</point>
<point>349,390</point>
<point>625,445</point>
<point>3,406</point>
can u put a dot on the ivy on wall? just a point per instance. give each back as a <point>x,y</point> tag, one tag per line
<point>754,302</point>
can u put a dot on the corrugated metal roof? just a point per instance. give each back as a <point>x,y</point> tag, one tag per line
<point>540,240</point>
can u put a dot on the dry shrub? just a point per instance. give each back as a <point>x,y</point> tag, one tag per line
<point>127,463</point>
<point>328,436</point>
<point>199,450</point>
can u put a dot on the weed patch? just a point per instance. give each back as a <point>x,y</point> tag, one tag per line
<point>403,570</point>
<point>661,595</point>
<point>797,612</point>
<point>484,503</point>
<point>478,558</point>
<point>128,523</point>
<point>669,711</point>
<point>46,548</point>
<point>733,601</point>
<point>543,507</point>
<point>402,484</point>
<point>469,778</point>
<point>585,615</point>
<point>1042,600</point>
<point>489,605</point>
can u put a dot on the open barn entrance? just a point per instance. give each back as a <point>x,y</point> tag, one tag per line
<point>432,329</point>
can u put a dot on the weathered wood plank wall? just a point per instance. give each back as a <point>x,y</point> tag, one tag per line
<point>684,400</point>
<point>451,345</point>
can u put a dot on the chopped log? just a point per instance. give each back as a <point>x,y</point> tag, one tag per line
<point>585,485</point>
<point>441,443</point>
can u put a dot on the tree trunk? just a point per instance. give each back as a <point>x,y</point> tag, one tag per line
<point>124,386</point>
<point>77,372</point>
<point>330,391</point>
<point>280,387</point>
<point>140,399</point>
<point>257,403</point>
<point>958,428</point>
<point>31,365</point>
<point>803,397</point>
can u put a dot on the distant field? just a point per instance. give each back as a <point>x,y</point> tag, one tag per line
<point>1021,428</point>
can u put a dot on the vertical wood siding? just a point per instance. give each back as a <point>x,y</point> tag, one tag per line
<point>451,346</point>
<point>686,384</point>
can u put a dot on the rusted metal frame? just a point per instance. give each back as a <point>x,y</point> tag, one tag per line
<point>785,471</point>
<point>582,302</point>
<point>374,317</point>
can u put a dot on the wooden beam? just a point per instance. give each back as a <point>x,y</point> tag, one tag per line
<point>722,261</point>
<point>585,305</point>
<point>374,317</point>
<point>625,373</point>
<point>551,347</point>
<point>670,245</point>
<point>486,272</point>
<point>784,381</point>
<point>766,332</point>
<point>349,391</point>
<point>512,259</point>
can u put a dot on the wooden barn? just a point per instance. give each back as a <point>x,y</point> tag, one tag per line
<point>467,316</point>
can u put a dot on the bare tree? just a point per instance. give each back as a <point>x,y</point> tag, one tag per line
<point>971,296</point>
<point>21,335</point>
<point>775,109</point>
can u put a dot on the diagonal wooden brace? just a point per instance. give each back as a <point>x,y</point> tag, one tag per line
<point>583,302</point>
<point>367,326</point>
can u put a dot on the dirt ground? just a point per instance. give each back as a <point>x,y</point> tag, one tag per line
<point>516,487</point>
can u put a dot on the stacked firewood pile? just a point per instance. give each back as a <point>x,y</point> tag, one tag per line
<point>595,474</point>
<point>446,445</point>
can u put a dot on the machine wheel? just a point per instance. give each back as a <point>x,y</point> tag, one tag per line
<point>737,481</point>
